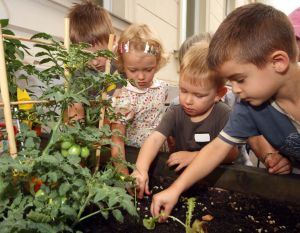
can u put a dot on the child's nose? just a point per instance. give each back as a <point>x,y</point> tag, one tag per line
<point>235,88</point>
<point>140,76</point>
<point>189,99</point>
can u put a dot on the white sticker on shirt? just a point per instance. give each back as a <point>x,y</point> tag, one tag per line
<point>202,137</point>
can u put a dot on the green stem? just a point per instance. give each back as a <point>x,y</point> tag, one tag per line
<point>94,213</point>
<point>51,141</point>
<point>177,220</point>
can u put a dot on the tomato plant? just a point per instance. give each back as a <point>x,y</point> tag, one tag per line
<point>85,152</point>
<point>62,189</point>
<point>74,150</point>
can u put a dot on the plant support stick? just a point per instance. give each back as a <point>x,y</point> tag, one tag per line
<point>104,96</point>
<point>6,101</point>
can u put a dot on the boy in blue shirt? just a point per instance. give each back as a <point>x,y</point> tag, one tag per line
<point>255,48</point>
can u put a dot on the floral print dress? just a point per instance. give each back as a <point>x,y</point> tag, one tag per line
<point>140,109</point>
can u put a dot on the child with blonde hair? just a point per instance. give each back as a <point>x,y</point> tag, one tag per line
<point>255,48</point>
<point>140,104</point>
<point>195,122</point>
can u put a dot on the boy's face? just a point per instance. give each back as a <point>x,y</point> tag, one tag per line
<point>99,62</point>
<point>140,68</point>
<point>253,85</point>
<point>196,100</point>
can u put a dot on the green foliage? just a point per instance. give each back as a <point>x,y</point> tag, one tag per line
<point>14,52</point>
<point>197,226</point>
<point>41,190</point>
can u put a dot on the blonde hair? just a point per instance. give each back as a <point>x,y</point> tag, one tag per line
<point>136,36</point>
<point>194,67</point>
<point>206,36</point>
<point>89,23</point>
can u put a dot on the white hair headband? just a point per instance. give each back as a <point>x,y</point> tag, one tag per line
<point>148,49</point>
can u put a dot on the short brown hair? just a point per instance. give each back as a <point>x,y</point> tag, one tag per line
<point>89,23</point>
<point>250,34</point>
<point>194,67</point>
<point>138,35</point>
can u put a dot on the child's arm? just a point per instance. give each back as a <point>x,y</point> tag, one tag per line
<point>205,162</point>
<point>184,158</point>
<point>146,155</point>
<point>275,163</point>
<point>118,147</point>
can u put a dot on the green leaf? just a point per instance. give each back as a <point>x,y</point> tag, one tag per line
<point>41,36</point>
<point>45,60</point>
<point>101,195</point>
<point>74,159</point>
<point>68,169</point>
<point>118,215</point>
<point>38,217</point>
<point>3,22</point>
<point>64,188</point>
<point>67,210</point>
<point>40,54</point>
<point>149,223</point>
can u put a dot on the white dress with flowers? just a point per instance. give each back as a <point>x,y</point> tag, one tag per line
<point>140,109</point>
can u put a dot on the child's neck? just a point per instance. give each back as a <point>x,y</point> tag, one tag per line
<point>288,98</point>
<point>202,116</point>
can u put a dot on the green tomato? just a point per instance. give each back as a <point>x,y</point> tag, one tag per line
<point>85,152</point>
<point>74,150</point>
<point>65,145</point>
<point>64,153</point>
<point>63,200</point>
<point>39,193</point>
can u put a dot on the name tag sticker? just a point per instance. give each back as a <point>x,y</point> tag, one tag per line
<point>202,137</point>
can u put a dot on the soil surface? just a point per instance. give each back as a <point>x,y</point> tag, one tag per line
<point>231,211</point>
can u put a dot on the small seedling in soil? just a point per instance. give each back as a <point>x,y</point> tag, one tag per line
<point>197,226</point>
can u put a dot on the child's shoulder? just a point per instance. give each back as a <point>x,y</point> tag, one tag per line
<point>222,107</point>
<point>160,82</point>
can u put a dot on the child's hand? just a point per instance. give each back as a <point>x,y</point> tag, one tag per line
<point>142,181</point>
<point>277,164</point>
<point>181,158</point>
<point>164,201</point>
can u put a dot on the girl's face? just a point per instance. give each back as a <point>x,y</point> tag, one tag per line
<point>196,100</point>
<point>140,68</point>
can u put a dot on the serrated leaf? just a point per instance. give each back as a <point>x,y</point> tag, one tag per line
<point>45,60</point>
<point>118,215</point>
<point>67,210</point>
<point>40,54</point>
<point>41,36</point>
<point>100,195</point>
<point>68,169</point>
<point>74,159</point>
<point>64,188</point>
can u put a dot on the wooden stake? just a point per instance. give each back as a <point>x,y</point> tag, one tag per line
<point>104,96</point>
<point>66,71</point>
<point>26,39</point>
<point>6,101</point>
<point>29,102</point>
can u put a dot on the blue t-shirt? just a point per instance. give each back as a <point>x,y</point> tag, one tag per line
<point>268,120</point>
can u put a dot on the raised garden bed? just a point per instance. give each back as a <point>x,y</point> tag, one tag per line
<point>252,201</point>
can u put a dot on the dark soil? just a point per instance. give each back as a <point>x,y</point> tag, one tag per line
<point>232,212</point>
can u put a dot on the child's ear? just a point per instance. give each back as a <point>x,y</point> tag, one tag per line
<point>280,61</point>
<point>220,93</point>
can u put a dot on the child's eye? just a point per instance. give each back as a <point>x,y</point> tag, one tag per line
<point>199,96</point>
<point>132,71</point>
<point>240,80</point>
<point>149,70</point>
<point>183,91</point>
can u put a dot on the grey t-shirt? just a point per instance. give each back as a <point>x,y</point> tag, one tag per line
<point>192,136</point>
